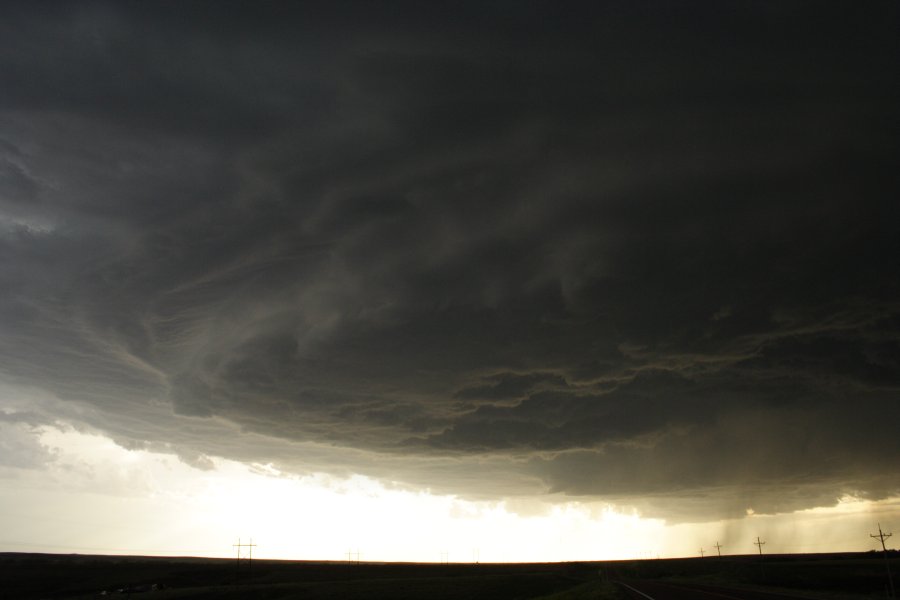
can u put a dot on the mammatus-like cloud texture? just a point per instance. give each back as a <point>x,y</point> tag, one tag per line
<point>647,256</point>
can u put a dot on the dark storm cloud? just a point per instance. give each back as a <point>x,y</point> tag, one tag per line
<point>646,253</point>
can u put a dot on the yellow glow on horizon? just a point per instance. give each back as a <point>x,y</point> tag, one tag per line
<point>140,502</point>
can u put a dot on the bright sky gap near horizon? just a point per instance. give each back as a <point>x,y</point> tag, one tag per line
<point>492,281</point>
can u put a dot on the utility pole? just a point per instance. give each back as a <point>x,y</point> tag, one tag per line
<point>702,553</point>
<point>881,537</point>
<point>351,555</point>
<point>759,544</point>
<point>244,558</point>
<point>762,570</point>
<point>718,548</point>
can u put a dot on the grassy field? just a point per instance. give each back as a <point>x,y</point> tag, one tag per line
<point>26,576</point>
<point>850,576</point>
<point>33,576</point>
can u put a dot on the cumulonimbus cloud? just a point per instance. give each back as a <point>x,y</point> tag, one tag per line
<point>484,255</point>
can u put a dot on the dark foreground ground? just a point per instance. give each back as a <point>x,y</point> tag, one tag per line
<point>833,576</point>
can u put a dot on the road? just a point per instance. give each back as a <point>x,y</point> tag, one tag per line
<point>654,590</point>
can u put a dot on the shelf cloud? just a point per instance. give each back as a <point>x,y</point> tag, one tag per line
<point>643,254</point>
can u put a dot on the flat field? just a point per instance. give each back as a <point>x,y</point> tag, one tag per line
<point>38,576</point>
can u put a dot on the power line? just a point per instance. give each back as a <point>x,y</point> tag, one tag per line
<point>759,544</point>
<point>718,548</point>
<point>244,558</point>
<point>762,570</point>
<point>881,537</point>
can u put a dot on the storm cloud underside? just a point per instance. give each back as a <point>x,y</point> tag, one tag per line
<point>642,254</point>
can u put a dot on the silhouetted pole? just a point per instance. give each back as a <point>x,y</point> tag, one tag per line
<point>249,558</point>
<point>881,537</point>
<point>702,553</point>
<point>718,548</point>
<point>759,544</point>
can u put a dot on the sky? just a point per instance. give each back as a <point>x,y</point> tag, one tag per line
<point>469,281</point>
